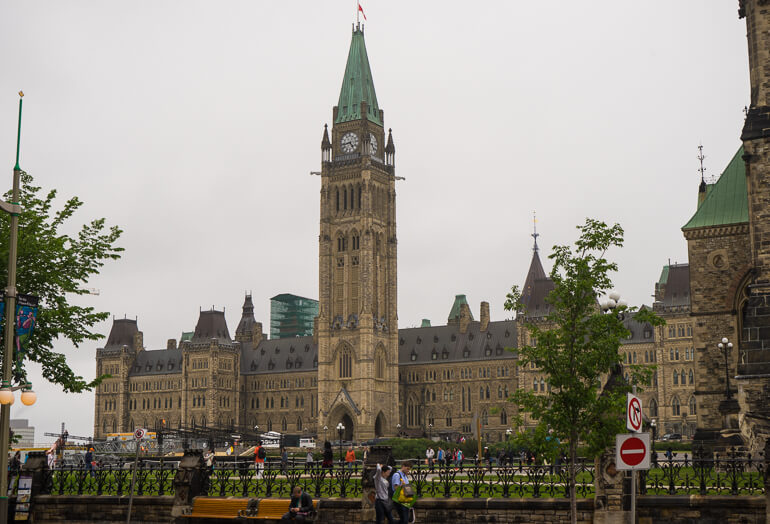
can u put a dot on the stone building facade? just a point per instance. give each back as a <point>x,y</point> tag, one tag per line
<point>358,368</point>
<point>728,241</point>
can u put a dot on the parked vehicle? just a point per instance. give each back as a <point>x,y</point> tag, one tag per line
<point>672,436</point>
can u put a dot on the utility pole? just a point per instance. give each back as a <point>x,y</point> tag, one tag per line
<point>10,294</point>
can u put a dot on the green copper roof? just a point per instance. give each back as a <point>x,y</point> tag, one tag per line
<point>357,86</point>
<point>186,335</point>
<point>663,275</point>
<point>459,301</point>
<point>727,202</point>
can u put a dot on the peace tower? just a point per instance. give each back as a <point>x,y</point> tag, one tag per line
<point>357,324</point>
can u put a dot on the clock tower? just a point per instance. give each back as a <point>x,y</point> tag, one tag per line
<point>357,321</point>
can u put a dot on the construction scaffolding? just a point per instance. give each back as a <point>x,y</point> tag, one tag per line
<point>292,316</point>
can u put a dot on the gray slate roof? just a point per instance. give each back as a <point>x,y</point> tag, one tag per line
<point>444,344</point>
<point>280,355</point>
<point>122,333</point>
<point>677,291</point>
<point>641,332</point>
<point>157,362</point>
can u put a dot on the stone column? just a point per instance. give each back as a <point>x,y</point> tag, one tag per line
<point>191,480</point>
<point>610,506</point>
<point>377,455</point>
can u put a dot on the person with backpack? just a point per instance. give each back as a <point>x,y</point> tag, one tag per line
<point>403,493</point>
<point>383,505</point>
<point>259,459</point>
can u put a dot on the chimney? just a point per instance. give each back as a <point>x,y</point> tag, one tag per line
<point>484,316</point>
<point>465,318</point>
<point>138,341</point>
<point>257,336</point>
<point>171,344</point>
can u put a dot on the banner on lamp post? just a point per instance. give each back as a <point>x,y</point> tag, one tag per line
<point>26,318</point>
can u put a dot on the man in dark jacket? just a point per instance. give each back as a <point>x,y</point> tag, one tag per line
<point>301,506</point>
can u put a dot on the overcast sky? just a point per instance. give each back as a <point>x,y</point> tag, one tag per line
<point>193,126</point>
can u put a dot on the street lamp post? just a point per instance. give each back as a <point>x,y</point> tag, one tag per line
<point>14,208</point>
<point>325,429</point>
<point>430,431</point>
<point>725,346</point>
<point>398,429</point>
<point>340,430</point>
<point>654,426</point>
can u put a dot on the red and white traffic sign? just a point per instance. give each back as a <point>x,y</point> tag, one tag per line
<point>632,451</point>
<point>139,433</point>
<point>633,413</point>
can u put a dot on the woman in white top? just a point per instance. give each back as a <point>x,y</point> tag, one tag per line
<point>383,506</point>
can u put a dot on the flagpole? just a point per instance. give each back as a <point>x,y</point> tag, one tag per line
<point>358,9</point>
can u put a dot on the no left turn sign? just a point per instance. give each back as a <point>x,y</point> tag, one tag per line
<point>632,451</point>
<point>633,413</point>
<point>139,433</point>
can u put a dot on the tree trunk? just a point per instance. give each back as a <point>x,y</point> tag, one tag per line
<point>572,465</point>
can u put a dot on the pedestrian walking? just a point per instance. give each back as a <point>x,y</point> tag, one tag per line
<point>383,504</point>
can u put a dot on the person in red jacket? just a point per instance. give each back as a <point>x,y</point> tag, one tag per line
<point>259,459</point>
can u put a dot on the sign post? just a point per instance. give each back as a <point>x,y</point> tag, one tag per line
<point>139,434</point>
<point>633,450</point>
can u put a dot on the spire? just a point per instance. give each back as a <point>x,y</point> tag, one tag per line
<point>390,148</point>
<point>357,85</point>
<point>246,325</point>
<point>535,233</point>
<point>325,142</point>
<point>537,286</point>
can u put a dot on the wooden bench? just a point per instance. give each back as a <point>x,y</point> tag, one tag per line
<point>217,508</point>
<point>274,509</point>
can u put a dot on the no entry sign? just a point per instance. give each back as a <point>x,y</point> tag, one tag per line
<point>632,451</point>
<point>633,413</point>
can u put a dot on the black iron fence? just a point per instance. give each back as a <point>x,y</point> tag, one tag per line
<point>729,473</point>
<point>732,473</point>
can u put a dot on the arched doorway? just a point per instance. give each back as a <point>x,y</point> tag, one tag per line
<point>379,426</point>
<point>347,434</point>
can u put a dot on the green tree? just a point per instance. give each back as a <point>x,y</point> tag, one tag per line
<point>577,346</point>
<point>55,266</point>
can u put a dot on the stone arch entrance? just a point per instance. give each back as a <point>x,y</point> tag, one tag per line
<point>379,426</point>
<point>341,414</point>
<point>347,434</point>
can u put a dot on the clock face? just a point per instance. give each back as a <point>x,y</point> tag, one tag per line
<point>373,142</point>
<point>349,142</point>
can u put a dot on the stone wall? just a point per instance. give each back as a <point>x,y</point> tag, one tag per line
<point>90,509</point>
<point>466,510</point>
<point>650,510</point>
<point>700,509</point>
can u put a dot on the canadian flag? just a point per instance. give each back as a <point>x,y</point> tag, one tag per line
<point>361,9</point>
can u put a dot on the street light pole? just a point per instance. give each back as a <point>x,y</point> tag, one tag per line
<point>340,429</point>
<point>10,314</point>
<point>726,346</point>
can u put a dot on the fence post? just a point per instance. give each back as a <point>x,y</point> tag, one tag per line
<point>767,481</point>
<point>190,481</point>
<point>376,455</point>
<point>609,485</point>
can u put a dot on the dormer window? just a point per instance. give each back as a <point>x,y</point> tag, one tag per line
<point>401,341</point>
<point>419,340</point>
<point>454,337</point>
<point>466,352</point>
<point>254,366</point>
<point>413,356</point>
<point>507,333</point>
<point>262,351</point>
<point>291,349</point>
<point>488,351</point>
<point>470,336</point>
<point>434,354</point>
<point>277,350</point>
<point>445,354</point>
<point>315,362</point>
<point>307,348</point>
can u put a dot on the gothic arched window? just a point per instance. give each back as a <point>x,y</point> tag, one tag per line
<point>675,406</point>
<point>345,363</point>
<point>693,406</point>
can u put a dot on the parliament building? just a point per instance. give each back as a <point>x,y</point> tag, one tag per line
<point>360,369</point>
